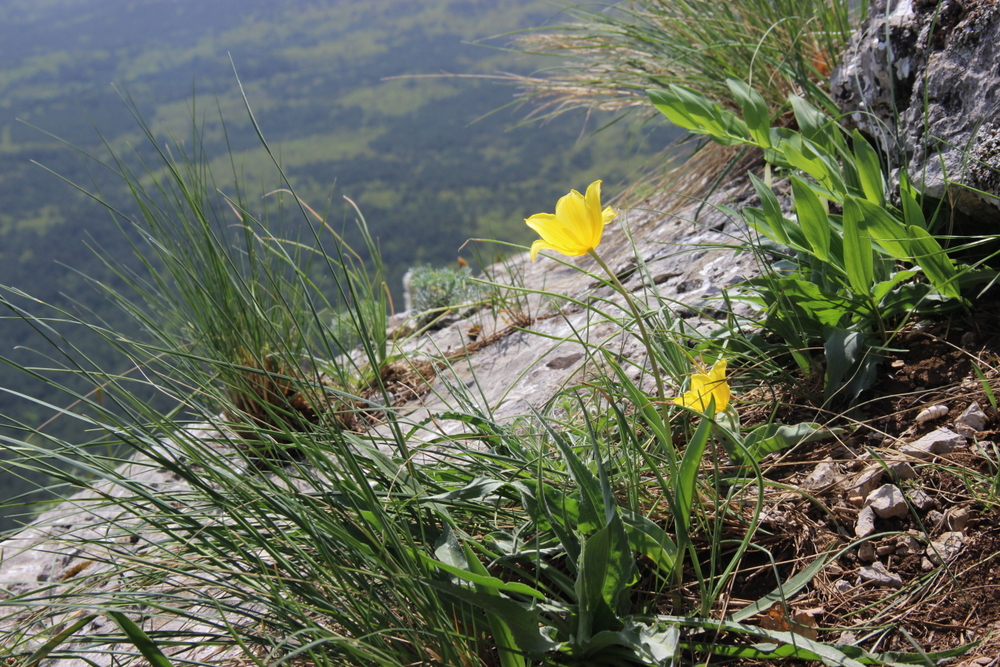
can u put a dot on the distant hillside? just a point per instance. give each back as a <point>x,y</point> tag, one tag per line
<point>424,158</point>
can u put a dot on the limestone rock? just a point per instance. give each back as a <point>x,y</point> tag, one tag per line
<point>878,575</point>
<point>866,522</point>
<point>938,441</point>
<point>922,75</point>
<point>945,547</point>
<point>887,501</point>
<point>972,418</point>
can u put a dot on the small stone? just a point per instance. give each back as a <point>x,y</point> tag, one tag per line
<point>878,575</point>
<point>866,552</point>
<point>847,638</point>
<point>934,519</point>
<point>945,547</point>
<point>920,499</point>
<point>907,544</point>
<point>926,565</point>
<point>825,475</point>
<point>843,586</point>
<point>866,481</point>
<point>938,441</point>
<point>972,417</point>
<point>888,501</point>
<point>957,518</point>
<point>866,523</point>
<point>901,470</point>
<point>885,550</point>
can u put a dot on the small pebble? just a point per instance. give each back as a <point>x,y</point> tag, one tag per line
<point>866,552</point>
<point>920,499</point>
<point>901,470</point>
<point>938,441</point>
<point>907,544</point>
<point>866,523</point>
<point>878,575</point>
<point>934,519</point>
<point>885,550</point>
<point>945,547</point>
<point>888,501</point>
<point>843,586</point>
<point>866,481</point>
<point>957,518</point>
<point>972,417</point>
<point>825,475</point>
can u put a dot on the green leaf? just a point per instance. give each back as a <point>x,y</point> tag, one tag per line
<point>648,539</point>
<point>485,581</point>
<point>774,437</point>
<point>933,259</point>
<point>149,650</point>
<point>43,651</point>
<point>687,474</point>
<point>814,124</point>
<point>816,162</point>
<point>524,622</point>
<point>848,356</point>
<point>755,112</point>
<point>783,591</point>
<point>591,495</point>
<point>913,214</point>
<point>772,211</point>
<point>888,232</point>
<point>858,251</point>
<point>689,109</point>
<point>606,568</point>
<point>813,218</point>
<point>869,170</point>
<point>503,636</point>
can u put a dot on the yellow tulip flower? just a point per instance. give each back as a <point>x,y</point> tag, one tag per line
<point>706,387</point>
<point>577,225</point>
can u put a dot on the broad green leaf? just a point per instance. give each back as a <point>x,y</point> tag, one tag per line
<point>606,569</point>
<point>687,477</point>
<point>913,214</point>
<point>591,496</point>
<point>503,636</point>
<point>783,591</point>
<point>147,647</point>
<point>859,254</point>
<point>933,259</point>
<point>648,539</point>
<point>815,125</point>
<point>523,621</point>
<point>755,112</point>
<point>850,362</point>
<point>772,211</point>
<point>689,109</point>
<point>812,218</point>
<point>816,162</point>
<point>485,581</point>
<point>869,170</point>
<point>888,232</point>
<point>774,437</point>
<point>882,289</point>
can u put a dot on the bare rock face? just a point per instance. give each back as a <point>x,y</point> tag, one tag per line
<point>921,77</point>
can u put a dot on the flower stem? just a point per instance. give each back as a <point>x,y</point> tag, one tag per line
<point>661,395</point>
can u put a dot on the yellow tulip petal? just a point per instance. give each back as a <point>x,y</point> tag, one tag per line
<point>577,225</point>
<point>704,388</point>
<point>541,245</point>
